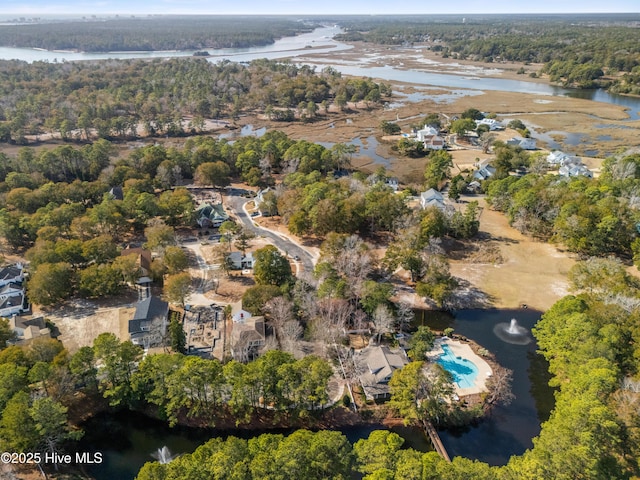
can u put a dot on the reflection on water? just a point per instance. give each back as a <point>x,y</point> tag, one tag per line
<point>139,438</point>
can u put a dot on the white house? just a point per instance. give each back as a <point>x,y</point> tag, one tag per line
<point>434,143</point>
<point>11,274</point>
<point>560,158</point>
<point>432,198</point>
<point>11,300</point>
<point>392,182</point>
<point>492,123</point>
<point>426,133</point>
<point>241,262</point>
<point>524,143</point>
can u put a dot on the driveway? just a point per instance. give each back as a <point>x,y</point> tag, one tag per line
<point>236,203</point>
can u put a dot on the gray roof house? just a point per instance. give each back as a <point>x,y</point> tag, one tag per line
<point>524,143</point>
<point>246,338</point>
<point>378,365</point>
<point>148,327</point>
<point>432,198</point>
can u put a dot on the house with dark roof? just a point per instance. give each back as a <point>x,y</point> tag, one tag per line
<point>11,299</point>
<point>211,215</point>
<point>11,274</point>
<point>148,327</point>
<point>378,364</point>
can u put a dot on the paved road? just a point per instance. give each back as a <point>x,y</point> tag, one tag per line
<point>235,203</point>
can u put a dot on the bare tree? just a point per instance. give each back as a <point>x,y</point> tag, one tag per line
<point>405,315</point>
<point>384,320</point>
<point>499,385</point>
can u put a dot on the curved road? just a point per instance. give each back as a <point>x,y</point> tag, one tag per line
<point>236,204</point>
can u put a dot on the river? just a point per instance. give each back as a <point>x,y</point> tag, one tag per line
<point>321,41</point>
<point>140,437</point>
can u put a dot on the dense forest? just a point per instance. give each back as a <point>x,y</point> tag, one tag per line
<point>128,98</point>
<point>152,33</point>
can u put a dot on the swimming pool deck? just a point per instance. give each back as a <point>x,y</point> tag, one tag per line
<point>463,350</point>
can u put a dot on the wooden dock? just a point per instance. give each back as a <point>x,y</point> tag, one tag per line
<point>435,440</point>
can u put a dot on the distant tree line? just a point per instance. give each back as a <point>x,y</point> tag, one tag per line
<point>152,33</point>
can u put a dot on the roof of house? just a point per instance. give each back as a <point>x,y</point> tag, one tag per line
<point>381,362</point>
<point>13,300</point>
<point>147,310</point>
<point>11,287</point>
<point>250,332</point>
<point>117,193</point>
<point>10,272</point>
<point>431,194</point>
<point>23,323</point>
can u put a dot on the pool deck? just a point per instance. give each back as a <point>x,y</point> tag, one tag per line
<point>463,350</point>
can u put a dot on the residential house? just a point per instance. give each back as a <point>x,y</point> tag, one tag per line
<point>572,170</point>
<point>485,170</point>
<point>148,327</point>
<point>432,198</point>
<point>247,337</point>
<point>492,123</point>
<point>524,143</point>
<point>211,215</point>
<point>378,364</point>
<point>392,183</point>
<point>434,143</point>
<point>26,330</point>
<point>11,274</point>
<point>559,158</point>
<point>12,300</point>
<point>426,133</point>
<point>240,261</point>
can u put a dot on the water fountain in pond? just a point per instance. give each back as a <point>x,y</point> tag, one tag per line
<point>512,333</point>
<point>163,455</point>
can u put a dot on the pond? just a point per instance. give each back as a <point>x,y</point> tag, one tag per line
<point>139,438</point>
<point>509,430</point>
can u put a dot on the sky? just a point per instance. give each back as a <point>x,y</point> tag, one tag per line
<point>259,7</point>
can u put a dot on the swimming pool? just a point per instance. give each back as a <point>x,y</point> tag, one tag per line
<point>464,371</point>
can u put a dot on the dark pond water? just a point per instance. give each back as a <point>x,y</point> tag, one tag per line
<point>510,429</point>
<point>128,440</point>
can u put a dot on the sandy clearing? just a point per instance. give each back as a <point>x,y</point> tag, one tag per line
<point>531,273</point>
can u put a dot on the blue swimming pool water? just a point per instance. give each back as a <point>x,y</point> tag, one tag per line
<point>464,371</point>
